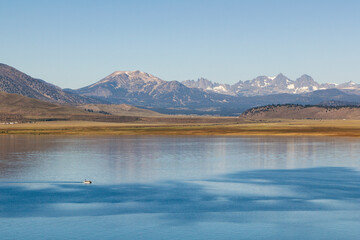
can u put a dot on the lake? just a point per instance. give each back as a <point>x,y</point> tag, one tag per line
<point>179,187</point>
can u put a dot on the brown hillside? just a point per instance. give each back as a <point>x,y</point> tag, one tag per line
<point>302,112</point>
<point>14,107</point>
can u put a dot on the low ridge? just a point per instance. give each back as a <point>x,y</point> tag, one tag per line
<point>120,110</point>
<point>293,111</point>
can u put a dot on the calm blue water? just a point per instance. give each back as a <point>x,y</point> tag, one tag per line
<point>179,188</point>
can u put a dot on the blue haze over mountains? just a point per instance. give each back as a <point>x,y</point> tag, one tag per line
<point>187,97</point>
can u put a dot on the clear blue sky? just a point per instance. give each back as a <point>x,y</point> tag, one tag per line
<point>73,43</point>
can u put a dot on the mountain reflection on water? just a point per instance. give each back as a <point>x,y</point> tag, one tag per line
<point>311,189</point>
<point>145,159</point>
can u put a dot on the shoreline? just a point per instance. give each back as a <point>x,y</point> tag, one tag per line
<point>335,128</point>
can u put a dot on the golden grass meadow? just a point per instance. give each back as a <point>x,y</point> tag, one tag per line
<point>238,127</point>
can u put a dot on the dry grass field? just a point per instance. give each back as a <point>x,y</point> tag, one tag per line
<point>215,127</point>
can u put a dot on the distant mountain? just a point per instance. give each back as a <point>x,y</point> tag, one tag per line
<point>291,111</point>
<point>143,89</point>
<point>264,85</point>
<point>14,81</point>
<point>204,97</point>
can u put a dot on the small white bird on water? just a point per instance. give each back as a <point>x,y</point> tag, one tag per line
<point>87,182</point>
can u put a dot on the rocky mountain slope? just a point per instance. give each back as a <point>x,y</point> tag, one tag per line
<point>14,81</point>
<point>264,85</point>
<point>302,112</point>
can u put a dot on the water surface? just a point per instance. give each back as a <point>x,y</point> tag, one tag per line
<point>179,187</point>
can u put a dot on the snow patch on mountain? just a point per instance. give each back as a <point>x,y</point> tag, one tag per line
<point>291,86</point>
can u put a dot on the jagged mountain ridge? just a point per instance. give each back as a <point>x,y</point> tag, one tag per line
<point>207,85</point>
<point>14,81</point>
<point>265,85</point>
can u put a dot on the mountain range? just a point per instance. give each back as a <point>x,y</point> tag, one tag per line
<point>265,85</point>
<point>188,97</point>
